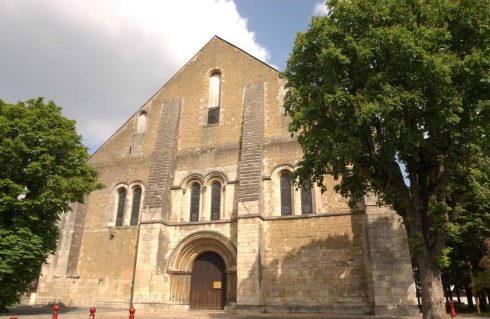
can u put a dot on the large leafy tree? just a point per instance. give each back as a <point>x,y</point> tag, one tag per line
<point>386,89</point>
<point>42,169</point>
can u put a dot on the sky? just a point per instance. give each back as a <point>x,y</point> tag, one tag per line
<point>101,60</point>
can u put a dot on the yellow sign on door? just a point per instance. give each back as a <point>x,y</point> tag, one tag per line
<point>216,284</point>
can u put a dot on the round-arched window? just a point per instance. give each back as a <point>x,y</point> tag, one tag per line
<point>215,200</point>
<point>135,208</point>
<point>141,124</point>
<point>286,207</point>
<point>121,203</point>
<point>195,201</point>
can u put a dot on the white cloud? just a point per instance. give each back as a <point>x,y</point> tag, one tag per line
<point>101,60</point>
<point>320,9</point>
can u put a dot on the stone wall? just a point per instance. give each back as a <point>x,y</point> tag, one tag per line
<point>316,264</point>
<point>389,262</point>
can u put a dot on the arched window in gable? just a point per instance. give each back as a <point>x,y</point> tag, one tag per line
<point>214,98</point>
<point>141,123</point>
<point>195,201</point>
<point>286,203</point>
<point>121,203</point>
<point>306,200</point>
<point>135,208</point>
<point>215,200</point>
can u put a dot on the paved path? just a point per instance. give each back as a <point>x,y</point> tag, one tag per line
<point>110,313</point>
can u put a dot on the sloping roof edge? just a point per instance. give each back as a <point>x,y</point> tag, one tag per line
<point>170,80</point>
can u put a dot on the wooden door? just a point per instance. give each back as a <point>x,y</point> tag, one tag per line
<point>208,282</point>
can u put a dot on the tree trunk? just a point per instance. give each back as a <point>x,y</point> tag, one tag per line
<point>483,300</point>
<point>433,306</point>
<point>469,298</point>
<point>449,295</point>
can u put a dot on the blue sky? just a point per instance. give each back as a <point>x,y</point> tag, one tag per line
<point>276,22</point>
<point>102,60</point>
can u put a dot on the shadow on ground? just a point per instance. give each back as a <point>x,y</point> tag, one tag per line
<point>48,310</point>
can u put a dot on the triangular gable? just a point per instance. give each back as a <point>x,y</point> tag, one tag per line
<point>214,38</point>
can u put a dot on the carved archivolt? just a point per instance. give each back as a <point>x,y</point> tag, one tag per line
<point>198,243</point>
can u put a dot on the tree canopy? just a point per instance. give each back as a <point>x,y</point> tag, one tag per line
<point>42,170</point>
<point>380,90</point>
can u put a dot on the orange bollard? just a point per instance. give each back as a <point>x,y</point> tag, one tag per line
<point>131,312</point>
<point>453,311</point>
<point>92,313</point>
<point>56,310</point>
<point>13,317</point>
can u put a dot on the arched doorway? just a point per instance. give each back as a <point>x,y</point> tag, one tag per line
<point>193,248</point>
<point>208,282</point>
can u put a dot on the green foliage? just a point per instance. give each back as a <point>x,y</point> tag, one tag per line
<point>380,89</point>
<point>468,246</point>
<point>471,222</point>
<point>482,280</point>
<point>42,169</point>
<point>380,83</point>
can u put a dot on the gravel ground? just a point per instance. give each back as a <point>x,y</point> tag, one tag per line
<point>111,313</point>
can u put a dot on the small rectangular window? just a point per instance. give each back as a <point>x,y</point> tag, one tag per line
<point>213,115</point>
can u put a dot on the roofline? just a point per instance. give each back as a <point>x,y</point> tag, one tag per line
<point>170,80</point>
<point>250,55</point>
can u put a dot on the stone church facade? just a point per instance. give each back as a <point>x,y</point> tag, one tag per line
<point>199,211</point>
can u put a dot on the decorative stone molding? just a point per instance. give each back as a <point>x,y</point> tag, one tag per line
<point>216,175</point>
<point>198,243</point>
<point>190,178</point>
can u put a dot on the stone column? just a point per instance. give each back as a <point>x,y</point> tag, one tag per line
<point>249,294</point>
<point>156,205</point>
<point>146,262</point>
<point>389,260</point>
<point>180,287</point>
<point>153,239</point>
<point>64,263</point>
